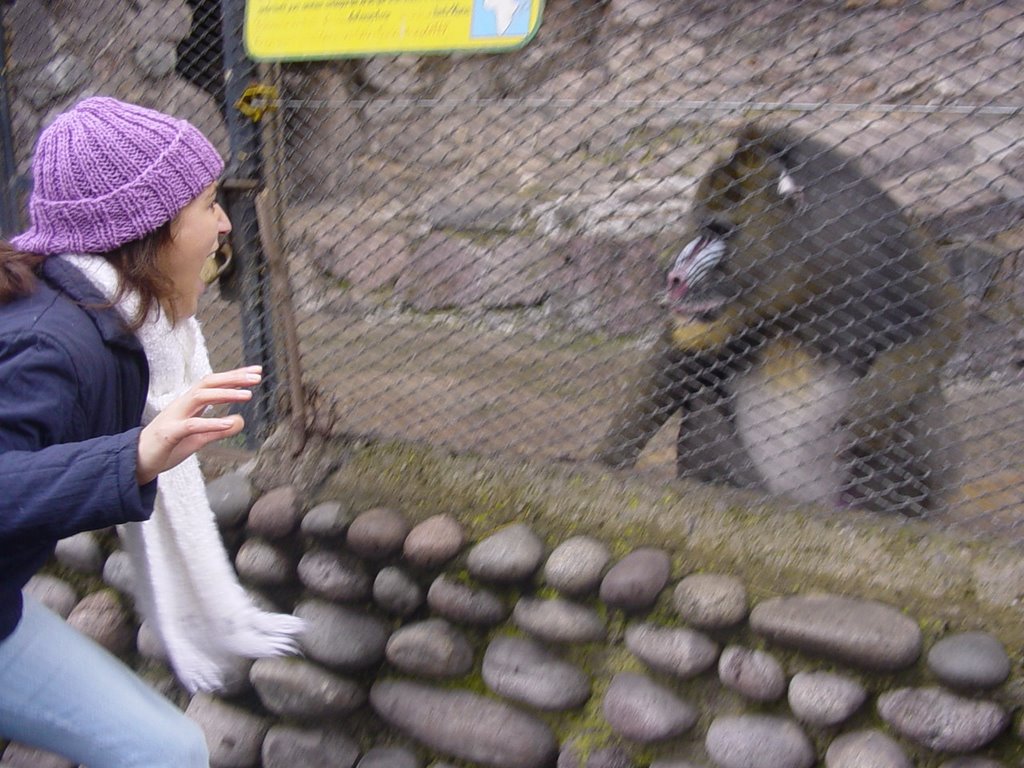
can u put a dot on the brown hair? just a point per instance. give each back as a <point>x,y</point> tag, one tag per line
<point>17,272</point>
<point>137,265</point>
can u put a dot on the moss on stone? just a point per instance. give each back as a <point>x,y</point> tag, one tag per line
<point>775,547</point>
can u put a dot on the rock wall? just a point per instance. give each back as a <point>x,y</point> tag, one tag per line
<point>456,619</point>
<point>62,51</point>
<point>586,144</point>
<point>464,613</point>
<point>536,192</point>
<point>540,176</point>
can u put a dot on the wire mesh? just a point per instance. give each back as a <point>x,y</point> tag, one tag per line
<point>479,247</point>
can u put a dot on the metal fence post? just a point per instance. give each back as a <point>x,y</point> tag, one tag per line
<point>240,185</point>
<point>10,220</point>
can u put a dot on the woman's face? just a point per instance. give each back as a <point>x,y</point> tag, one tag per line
<point>195,236</point>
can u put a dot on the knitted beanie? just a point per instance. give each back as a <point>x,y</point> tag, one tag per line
<point>106,173</point>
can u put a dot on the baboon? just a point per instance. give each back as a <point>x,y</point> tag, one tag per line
<point>808,326</point>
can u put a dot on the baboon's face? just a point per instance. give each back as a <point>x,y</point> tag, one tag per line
<point>702,288</point>
<point>736,269</point>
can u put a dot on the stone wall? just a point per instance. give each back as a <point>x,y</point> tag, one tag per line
<point>468,612</point>
<point>61,51</point>
<point>584,147</point>
<point>545,175</point>
<point>493,613</point>
<point>505,217</point>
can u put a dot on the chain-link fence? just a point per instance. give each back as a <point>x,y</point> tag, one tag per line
<point>568,252</point>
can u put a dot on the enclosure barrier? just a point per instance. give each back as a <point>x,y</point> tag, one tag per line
<point>478,612</point>
<point>766,245</point>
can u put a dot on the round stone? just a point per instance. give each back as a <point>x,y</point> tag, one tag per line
<point>558,620</point>
<point>155,58</point>
<point>710,601</point>
<point>261,563</point>
<point>330,519</point>
<point>296,688</point>
<point>149,644</point>
<point>335,576</point>
<point>576,566</point>
<point>941,720</point>
<point>752,673</point>
<point>80,552</point>
<point>434,542</point>
<point>101,617</point>
<point>866,749</point>
<point>230,496</point>
<point>610,757</point>
<point>511,555</point>
<point>56,594</point>
<point>397,592</point>
<point>970,660</point>
<point>635,582</point>
<point>864,633</point>
<point>18,755</point>
<point>431,648</point>
<point>275,514</point>
<point>824,698</point>
<point>119,572</point>
<point>342,637</point>
<point>676,651</point>
<point>971,762</point>
<point>465,725</point>
<point>286,746</point>
<point>234,736</point>
<point>639,709</point>
<point>389,757</point>
<point>377,533</point>
<point>758,741</point>
<point>522,670</point>
<point>464,604</point>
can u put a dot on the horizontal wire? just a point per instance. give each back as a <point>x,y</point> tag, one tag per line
<point>665,104</point>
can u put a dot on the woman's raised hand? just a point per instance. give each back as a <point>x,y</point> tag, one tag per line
<point>180,429</point>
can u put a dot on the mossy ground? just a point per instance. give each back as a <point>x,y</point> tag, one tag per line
<point>776,548</point>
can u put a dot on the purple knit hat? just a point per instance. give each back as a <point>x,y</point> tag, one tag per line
<point>106,173</point>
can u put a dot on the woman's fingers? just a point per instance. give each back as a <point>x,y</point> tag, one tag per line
<point>199,426</point>
<point>217,389</point>
<point>239,377</point>
<point>180,430</point>
<point>166,442</point>
<point>202,399</point>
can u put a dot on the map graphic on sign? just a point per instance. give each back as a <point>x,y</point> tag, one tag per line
<point>290,30</point>
<point>500,17</point>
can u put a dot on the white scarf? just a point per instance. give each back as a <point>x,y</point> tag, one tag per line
<point>184,584</point>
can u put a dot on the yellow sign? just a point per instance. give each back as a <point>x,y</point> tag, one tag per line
<point>277,30</point>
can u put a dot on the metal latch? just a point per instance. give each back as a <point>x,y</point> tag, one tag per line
<point>257,100</point>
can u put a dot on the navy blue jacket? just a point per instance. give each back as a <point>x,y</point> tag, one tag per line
<point>73,383</point>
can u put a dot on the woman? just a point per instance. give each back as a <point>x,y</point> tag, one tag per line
<point>105,381</point>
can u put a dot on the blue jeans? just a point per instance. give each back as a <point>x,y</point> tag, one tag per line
<point>62,692</point>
